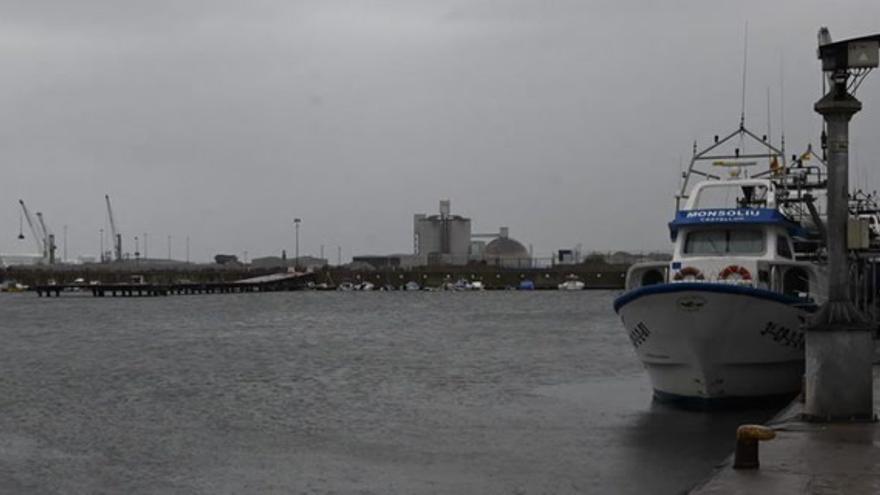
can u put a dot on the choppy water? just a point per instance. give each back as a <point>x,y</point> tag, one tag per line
<point>310,392</point>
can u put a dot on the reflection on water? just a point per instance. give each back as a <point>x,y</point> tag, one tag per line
<point>492,392</point>
<point>663,436</point>
<point>640,445</point>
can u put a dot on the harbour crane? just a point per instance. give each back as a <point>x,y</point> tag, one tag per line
<point>117,237</point>
<point>38,239</point>
<point>48,240</point>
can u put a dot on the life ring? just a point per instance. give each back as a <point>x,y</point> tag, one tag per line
<point>743,273</point>
<point>689,272</point>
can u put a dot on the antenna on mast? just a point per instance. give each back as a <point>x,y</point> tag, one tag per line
<point>769,121</point>
<point>782,106</point>
<point>742,114</point>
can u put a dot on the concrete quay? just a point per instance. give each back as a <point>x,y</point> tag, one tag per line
<point>805,457</point>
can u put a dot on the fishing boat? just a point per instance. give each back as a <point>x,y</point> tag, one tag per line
<point>346,287</point>
<point>724,320</point>
<point>365,286</point>
<point>572,282</point>
<point>463,284</point>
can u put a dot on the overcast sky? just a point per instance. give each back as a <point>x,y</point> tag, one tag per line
<point>566,120</point>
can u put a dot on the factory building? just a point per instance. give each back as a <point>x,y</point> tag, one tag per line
<point>447,239</point>
<point>20,260</point>
<point>443,238</point>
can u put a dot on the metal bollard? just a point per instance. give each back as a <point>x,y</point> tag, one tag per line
<point>747,438</point>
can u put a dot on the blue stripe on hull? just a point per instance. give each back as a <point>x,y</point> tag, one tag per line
<point>634,294</point>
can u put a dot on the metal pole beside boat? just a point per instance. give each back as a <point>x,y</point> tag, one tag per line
<point>839,340</point>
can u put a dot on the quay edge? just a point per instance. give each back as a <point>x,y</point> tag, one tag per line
<point>807,457</point>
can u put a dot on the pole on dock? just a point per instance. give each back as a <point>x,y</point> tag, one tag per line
<point>839,340</point>
<point>296,222</point>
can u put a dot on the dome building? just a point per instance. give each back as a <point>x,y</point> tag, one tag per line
<point>507,252</point>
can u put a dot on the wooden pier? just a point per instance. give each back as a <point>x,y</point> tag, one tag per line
<point>267,283</point>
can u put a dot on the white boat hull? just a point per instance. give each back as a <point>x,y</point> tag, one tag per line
<point>571,285</point>
<point>711,341</point>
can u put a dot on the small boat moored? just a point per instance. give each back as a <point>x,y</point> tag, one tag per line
<point>572,282</point>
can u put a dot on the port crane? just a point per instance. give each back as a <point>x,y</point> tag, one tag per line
<point>35,233</point>
<point>48,240</point>
<point>117,237</point>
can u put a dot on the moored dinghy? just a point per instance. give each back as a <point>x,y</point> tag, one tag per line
<point>572,282</point>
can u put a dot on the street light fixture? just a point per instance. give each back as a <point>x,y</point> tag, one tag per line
<point>296,222</point>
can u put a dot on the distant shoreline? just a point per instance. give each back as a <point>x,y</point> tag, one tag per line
<point>594,276</point>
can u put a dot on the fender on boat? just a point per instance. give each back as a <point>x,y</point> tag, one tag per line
<point>634,294</point>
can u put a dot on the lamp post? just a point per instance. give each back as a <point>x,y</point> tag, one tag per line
<point>296,222</point>
<point>839,343</point>
<point>101,242</point>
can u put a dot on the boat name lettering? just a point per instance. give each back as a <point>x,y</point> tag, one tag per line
<point>639,334</point>
<point>726,214</point>
<point>784,335</point>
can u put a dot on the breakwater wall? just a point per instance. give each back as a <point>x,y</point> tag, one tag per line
<point>604,277</point>
<point>596,276</point>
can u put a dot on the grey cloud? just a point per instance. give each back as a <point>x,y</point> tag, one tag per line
<point>224,120</point>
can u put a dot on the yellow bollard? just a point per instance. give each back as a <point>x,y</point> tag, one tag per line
<point>747,438</point>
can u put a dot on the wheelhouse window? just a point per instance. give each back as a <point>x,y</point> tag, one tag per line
<point>720,242</point>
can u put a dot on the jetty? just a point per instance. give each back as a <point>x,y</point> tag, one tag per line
<point>808,457</point>
<point>263,283</point>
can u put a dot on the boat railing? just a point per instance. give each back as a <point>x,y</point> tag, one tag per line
<point>803,280</point>
<point>647,273</point>
<point>792,278</point>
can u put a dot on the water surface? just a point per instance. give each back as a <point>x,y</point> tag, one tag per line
<point>316,392</point>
